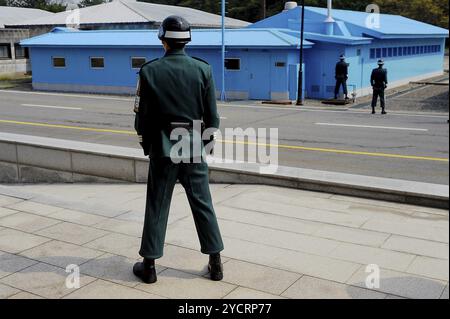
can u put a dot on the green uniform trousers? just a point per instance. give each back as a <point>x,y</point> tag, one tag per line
<point>378,92</point>
<point>163,175</point>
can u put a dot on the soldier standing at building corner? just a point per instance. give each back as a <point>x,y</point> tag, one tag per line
<point>174,92</point>
<point>379,82</point>
<point>341,76</point>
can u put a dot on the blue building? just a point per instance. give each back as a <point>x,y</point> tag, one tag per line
<point>261,60</point>
<point>260,63</point>
<point>412,50</point>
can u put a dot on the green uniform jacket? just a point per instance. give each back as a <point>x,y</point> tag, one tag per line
<point>174,88</point>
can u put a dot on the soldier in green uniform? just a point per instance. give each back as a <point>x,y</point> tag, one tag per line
<point>174,92</point>
<point>379,82</point>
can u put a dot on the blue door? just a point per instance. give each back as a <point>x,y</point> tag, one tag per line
<point>259,75</point>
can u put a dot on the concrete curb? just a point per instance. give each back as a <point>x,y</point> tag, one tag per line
<point>29,159</point>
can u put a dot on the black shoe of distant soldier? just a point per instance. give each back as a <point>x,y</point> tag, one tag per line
<point>383,112</point>
<point>215,267</point>
<point>145,271</point>
<point>373,112</point>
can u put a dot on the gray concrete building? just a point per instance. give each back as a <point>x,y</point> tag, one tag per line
<point>13,57</point>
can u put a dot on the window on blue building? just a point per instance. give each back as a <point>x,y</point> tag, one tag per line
<point>400,51</point>
<point>421,49</point>
<point>372,53</point>
<point>97,62</point>
<point>59,62</point>
<point>438,48</point>
<point>233,64</point>
<point>405,51</point>
<point>389,52</point>
<point>137,62</point>
<point>417,49</point>
<point>384,52</point>
<point>378,53</point>
<point>394,52</point>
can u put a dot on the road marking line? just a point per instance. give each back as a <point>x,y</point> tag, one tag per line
<point>53,106</point>
<point>327,150</point>
<point>223,118</point>
<point>375,127</point>
<point>321,110</point>
<point>292,147</point>
<point>79,128</point>
<point>293,108</point>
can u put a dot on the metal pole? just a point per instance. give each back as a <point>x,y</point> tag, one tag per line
<point>222,94</point>
<point>300,70</point>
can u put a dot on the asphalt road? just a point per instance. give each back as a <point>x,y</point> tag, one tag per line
<point>409,146</point>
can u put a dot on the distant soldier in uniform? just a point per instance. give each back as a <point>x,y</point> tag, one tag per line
<point>341,76</point>
<point>174,92</point>
<point>379,82</point>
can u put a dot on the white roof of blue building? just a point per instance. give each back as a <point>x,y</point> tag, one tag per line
<point>245,38</point>
<point>356,23</point>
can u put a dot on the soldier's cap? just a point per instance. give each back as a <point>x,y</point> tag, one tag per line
<point>380,62</point>
<point>176,29</point>
<point>342,57</point>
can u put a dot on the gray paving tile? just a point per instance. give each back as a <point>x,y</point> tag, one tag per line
<point>121,226</point>
<point>24,295</point>
<point>409,228</point>
<point>445,293</point>
<point>402,284</point>
<point>267,220</point>
<point>14,241</point>
<point>6,211</point>
<point>290,210</point>
<point>10,263</point>
<point>43,280</point>
<point>27,222</point>
<point>430,267</point>
<point>314,288</point>
<point>118,244</point>
<point>101,289</point>
<point>7,291</point>
<point>275,238</point>
<point>417,246</point>
<point>352,235</point>
<point>35,208</point>
<point>77,217</point>
<point>370,255</point>
<point>61,254</point>
<point>72,233</point>
<point>179,285</point>
<point>246,293</point>
<point>114,268</point>
<point>8,200</point>
<point>262,278</point>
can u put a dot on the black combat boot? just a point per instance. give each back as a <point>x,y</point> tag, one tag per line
<point>383,112</point>
<point>373,111</point>
<point>215,267</point>
<point>146,271</point>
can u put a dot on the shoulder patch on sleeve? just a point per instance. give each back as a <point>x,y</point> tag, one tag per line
<point>200,60</point>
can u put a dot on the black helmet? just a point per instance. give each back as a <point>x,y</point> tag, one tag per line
<point>175,29</point>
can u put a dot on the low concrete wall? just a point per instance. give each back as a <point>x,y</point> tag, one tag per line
<point>29,159</point>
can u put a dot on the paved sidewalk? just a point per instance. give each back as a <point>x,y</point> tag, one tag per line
<point>280,243</point>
